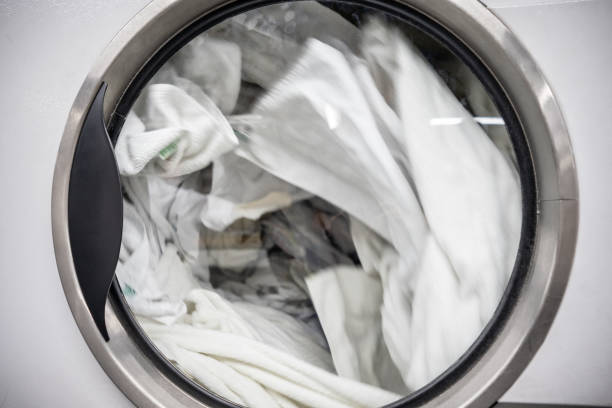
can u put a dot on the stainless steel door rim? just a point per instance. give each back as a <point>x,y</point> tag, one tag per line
<point>557,198</point>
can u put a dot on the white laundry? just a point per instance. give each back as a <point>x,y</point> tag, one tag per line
<point>348,302</point>
<point>274,279</point>
<point>271,37</point>
<point>355,170</point>
<point>165,218</point>
<point>205,65</point>
<point>170,209</point>
<point>225,352</point>
<point>169,133</point>
<point>183,215</point>
<point>283,332</point>
<point>434,211</point>
<point>469,193</point>
<point>427,321</point>
<point>157,286</point>
<point>242,190</point>
<point>461,179</point>
<point>157,266</point>
<point>154,279</point>
<point>383,198</point>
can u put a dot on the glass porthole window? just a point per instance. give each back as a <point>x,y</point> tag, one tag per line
<point>321,207</point>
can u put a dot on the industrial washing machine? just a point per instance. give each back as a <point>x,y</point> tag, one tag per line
<point>483,69</point>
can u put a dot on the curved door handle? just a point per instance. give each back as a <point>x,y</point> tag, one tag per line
<point>95,211</point>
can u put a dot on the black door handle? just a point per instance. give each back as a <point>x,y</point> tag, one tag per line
<point>95,211</point>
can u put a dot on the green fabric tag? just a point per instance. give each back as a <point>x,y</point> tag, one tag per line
<point>168,151</point>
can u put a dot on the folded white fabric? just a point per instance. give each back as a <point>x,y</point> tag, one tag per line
<point>228,354</point>
<point>242,190</point>
<point>169,133</point>
<point>348,302</point>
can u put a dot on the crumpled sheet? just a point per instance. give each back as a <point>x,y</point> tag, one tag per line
<point>416,192</point>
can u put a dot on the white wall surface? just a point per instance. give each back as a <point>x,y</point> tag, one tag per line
<point>47,48</point>
<point>572,42</point>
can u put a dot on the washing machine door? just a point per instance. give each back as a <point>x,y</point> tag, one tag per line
<point>346,203</point>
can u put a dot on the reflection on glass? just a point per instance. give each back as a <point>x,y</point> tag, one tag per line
<point>321,208</point>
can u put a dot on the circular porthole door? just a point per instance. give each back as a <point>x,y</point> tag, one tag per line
<point>347,203</point>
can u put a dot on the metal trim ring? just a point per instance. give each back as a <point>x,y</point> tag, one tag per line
<point>556,182</point>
